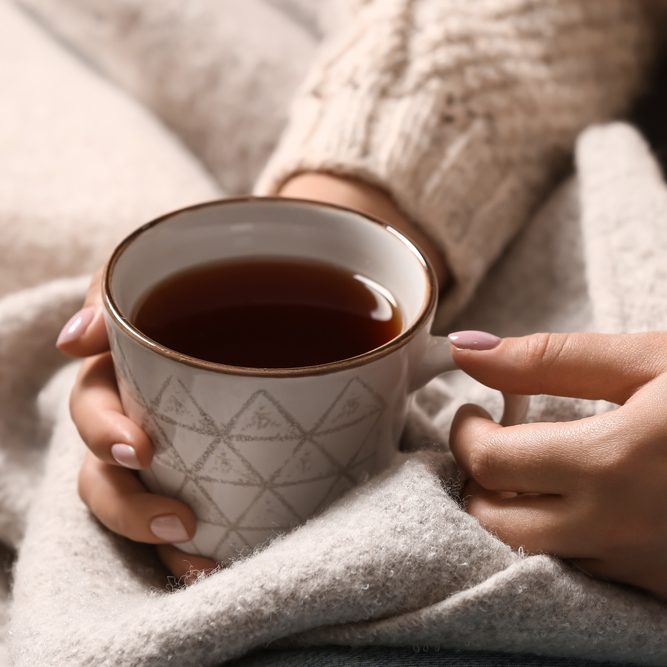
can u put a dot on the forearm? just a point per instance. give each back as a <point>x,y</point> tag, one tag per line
<point>463,113</point>
<point>360,196</point>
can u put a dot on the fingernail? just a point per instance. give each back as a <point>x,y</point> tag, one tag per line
<point>169,528</point>
<point>76,326</point>
<point>125,455</point>
<point>473,340</point>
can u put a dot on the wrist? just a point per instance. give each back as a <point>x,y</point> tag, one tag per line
<point>365,198</point>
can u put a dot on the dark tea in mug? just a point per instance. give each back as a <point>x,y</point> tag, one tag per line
<point>269,313</point>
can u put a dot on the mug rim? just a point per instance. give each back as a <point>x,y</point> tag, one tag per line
<point>129,329</point>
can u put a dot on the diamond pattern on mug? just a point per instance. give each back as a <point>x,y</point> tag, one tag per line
<point>344,444</point>
<point>176,406</point>
<point>357,402</point>
<point>234,542</point>
<point>167,456</point>
<point>261,473</point>
<point>232,499</point>
<point>309,497</point>
<point>189,423</point>
<point>271,510</point>
<point>308,463</point>
<point>254,536</point>
<point>263,418</point>
<point>162,443</point>
<point>224,465</point>
<point>163,479</point>
<point>201,502</point>
<point>267,458</point>
<point>197,446</point>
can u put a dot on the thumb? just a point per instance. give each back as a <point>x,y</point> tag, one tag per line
<point>579,365</point>
<point>85,333</point>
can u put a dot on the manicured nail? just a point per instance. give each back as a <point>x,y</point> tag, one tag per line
<point>125,455</point>
<point>76,327</point>
<point>169,528</point>
<point>473,340</point>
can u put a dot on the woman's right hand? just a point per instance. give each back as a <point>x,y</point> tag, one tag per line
<point>108,482</point>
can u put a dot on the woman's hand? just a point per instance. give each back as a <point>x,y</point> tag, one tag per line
<point>108,483</point>
<point>593,491</point>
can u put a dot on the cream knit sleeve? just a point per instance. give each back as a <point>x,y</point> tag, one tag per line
<point>464,110</point>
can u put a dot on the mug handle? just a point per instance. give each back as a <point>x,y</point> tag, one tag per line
<point>438,359</point>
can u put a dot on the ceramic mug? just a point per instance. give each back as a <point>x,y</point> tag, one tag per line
<point>254,452</point>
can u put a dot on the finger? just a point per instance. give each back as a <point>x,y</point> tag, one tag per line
<point>120,501</point>
<point>538,524</point>
<point>98,415</point>
<point>528,458</point>
<point>581,365</point>
<point>188,568</point>
<point>85,332</point>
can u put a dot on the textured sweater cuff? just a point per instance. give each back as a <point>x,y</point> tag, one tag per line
<point>439,173</point>
<point>465,115</point>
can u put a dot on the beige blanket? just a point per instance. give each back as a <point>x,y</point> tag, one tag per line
<point>395,562</point>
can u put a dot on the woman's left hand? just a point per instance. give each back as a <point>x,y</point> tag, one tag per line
<point>593,491</point>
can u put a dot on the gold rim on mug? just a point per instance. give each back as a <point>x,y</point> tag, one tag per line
<point>300,371</point>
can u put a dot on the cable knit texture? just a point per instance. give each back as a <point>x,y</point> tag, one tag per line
<point>396,561</point>
<point>464,115</point>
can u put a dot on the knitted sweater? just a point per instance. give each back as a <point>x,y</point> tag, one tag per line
<point>464,111</point>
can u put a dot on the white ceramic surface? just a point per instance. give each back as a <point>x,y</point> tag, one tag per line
<point>255,452</point>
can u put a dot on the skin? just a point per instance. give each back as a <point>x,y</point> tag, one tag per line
<point>592,491</point>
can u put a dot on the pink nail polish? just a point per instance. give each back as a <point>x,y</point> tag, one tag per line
<point>473,340</point>
<point>76,326</point>
<point>169,528</point>
<point>125,455</point>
